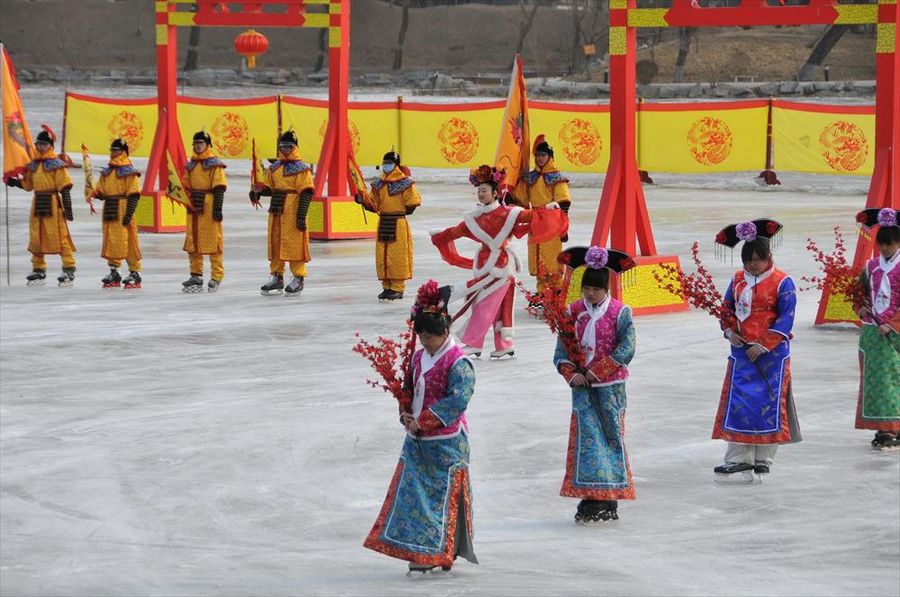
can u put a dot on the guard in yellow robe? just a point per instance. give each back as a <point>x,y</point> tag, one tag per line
<point>120,190</point>
<point>205,184</point>
<point>51,207</point>
<point>289,181</point>
<point>393,196</point>
<point>543,186</point>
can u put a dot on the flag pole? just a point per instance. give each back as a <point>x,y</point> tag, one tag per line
<point>8,283</point>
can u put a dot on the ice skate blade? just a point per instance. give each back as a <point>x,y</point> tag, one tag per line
<point>35,283</point>
<point>886,448</point>
<point>192,289</point>
<point>113,285</point>
<point>131,286</point>
<point>292,295</point>
<point>271,292</point>
<point>212,290</point>
<point>497,355</point>
<point>742,478</point>
<point>427,572</point>
<point>66,284</point>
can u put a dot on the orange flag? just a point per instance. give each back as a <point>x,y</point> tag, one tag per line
<point>513,149</point>
<point>17,145</point>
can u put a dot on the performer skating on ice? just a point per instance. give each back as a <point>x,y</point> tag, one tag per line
<point>393,196</point>
<point>597,468</point>
<point>491,291</point>
<point>289,182</point>
<point>426,518</point>
<point>120,190</point>
<point>51,210</point>
<point>205,185</point>
<point>878,406</point>
<point>756,409</point>
<point>542,188</point>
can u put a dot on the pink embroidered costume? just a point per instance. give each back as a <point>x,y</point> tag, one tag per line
<point>491,291</point>
<point>878,405</point>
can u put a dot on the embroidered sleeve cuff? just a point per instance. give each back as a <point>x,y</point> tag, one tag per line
<point>772,339</point>
<point>603,368</point>
<point>567,370</point>
<point>428,421</point>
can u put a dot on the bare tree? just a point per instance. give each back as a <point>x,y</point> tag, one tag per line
<point>193,51</point>
<point>401,37</point>
<point>323,51</point>
<point>526,22</point>
<point>685,34</point>
<point>821,50</point>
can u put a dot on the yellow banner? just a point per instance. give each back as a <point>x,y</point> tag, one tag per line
<point>17,142</point>
<point>96,122</point>
<point>580,139</point>
<point>707,138</point>
<point>433,137</point>
<point>514,145</point>
<point>232,124</point>
<point>309,122</point>
<point>823,139</point>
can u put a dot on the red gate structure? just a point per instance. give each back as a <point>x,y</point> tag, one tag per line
<point>333,215</point>
<point>623,217</point>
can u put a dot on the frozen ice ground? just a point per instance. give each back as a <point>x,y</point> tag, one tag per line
<point>159,443</point>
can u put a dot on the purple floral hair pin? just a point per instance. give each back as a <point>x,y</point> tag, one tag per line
<point>887,217</point>
<point>596,257</point>
<point>746,231</point>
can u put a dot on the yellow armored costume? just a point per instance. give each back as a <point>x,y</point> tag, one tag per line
<point>289,181</point>
<point>120,190</point>
<point>536,190</point>
<point>205,184</point>
<point>393,197</point>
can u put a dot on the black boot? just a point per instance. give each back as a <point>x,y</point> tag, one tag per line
<point>132,280</point>
<point>36,278</point>
<point>112,279</point>
<point>732,467</point>
<point>67,277</point>
<point>274,286</point>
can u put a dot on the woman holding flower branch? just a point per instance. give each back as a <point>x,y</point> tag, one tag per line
<point>878,406</point>
<point>596,368</point>
<point>756,409</point>
<point>426,518</point>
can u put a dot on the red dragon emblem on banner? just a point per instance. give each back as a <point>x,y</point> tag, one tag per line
<point>710,141</point>
<point>844,146</point>
<point>581,141</point>
<point>229,132</point>
<point>129,127</point>
<point>352,130</point>
<point>458,140</point>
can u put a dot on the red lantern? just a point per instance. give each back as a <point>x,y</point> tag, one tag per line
<point>251,44</point>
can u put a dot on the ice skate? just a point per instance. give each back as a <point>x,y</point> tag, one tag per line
<point>36,278</point>
<point>213,286</point>
<point>132,281</point>
<point>425,568</point>
<point>294,287</point>
<point>390,295</point>
<point>192,285</point>
<point>503,352</point>
<point>112,279</point>
<point>471,351</point>
<point>67,278</point>
<point>885,441</point>
<point>274,286</point>
<point>594,512</point>
<point>735,473</point>
<point>761,468</point>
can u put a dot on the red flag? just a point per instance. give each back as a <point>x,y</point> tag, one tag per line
<point>513,148</point>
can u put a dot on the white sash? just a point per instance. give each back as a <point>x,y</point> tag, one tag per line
<point>589,337</point>
<point>882,301</point>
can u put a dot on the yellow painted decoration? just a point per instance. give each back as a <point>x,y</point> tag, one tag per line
<point>614,4</point>
<point>162,6</point>
<point>849,14</point>
<point>347,216</point>
<point>617,37</point>
<point>647,17</point>
<point>334,37</point>
<point>182,19</point>
<point>645,291</point>
<point>316,20</point>
<point>886,38</point>
<point>334,8</point>
<point>839,309</point>
<point>315,218</point>
<point>162,35</point>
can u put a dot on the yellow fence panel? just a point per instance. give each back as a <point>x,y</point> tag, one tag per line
<point>95,122</point>
<point>579,134</point>
<point>457,136</point>
<point>232,124</point>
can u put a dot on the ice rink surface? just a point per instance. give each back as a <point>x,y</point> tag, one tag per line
<point>153,442</point>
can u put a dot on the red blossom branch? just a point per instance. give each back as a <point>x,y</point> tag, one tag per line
<point>391,359</point>
<point>549,305</point>
<point>838,276</point>
<point>698,289</point>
